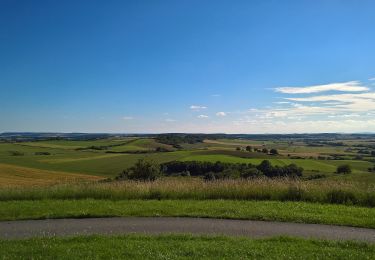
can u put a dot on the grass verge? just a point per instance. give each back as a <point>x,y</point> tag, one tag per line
<point>255,210</point>
<point>196,189</point>
<point>181,247</point>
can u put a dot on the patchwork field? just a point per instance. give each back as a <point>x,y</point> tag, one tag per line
<point>11,175</point>
<point>60,179</point>
<point>110,156</point>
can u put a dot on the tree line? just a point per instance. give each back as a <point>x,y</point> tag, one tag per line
<point>149,170</point>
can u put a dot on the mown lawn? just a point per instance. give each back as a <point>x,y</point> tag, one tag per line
<point>255,210</point>
<point>181,247</point>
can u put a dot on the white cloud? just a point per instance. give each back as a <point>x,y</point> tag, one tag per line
<point>371,79</point>
<point>350,108</point>
<point>197,108</point>
<point>221,114</point>
<point>350,86</point>
<point>216,95</point>
<point>127,117</point>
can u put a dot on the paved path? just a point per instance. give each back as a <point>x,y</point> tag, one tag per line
<point>152,225</point>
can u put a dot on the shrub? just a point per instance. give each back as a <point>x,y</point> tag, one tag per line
<point>251,173</point>
<point>142,170</point>
<point>294,194</point>
<point>42,153</point>
<point>209,176</point>
<point>341,197</point>
<point>274,152</point>
<point>16,153</point>
<point>344,169</point>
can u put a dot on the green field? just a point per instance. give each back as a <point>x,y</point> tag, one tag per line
<point>79,156</point>
<point>65,157</point>
<point>255,210</point>
<point>324,166</point>
<point>63,179</point>
<point>181,247</point>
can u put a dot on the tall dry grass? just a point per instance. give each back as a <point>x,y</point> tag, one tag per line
<point>197,189</point>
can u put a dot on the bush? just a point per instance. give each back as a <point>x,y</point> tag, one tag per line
<point>344,169</point>
<point>209,176</point>
<point>251,173</point>
<point>42,153</point>
<point>274,152</point>
<point>142,170</point>
<point>341,197</point>
<point>293,194</point>
<point>16,153</point>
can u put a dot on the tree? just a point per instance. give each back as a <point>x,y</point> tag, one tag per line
<point>251,173</point>
<point>249,148</point>
<point>344,169</point>
<point>238,148</point>
<point>142,170</point>
<point>264,150</point>
<point>274,151</point>
<point>265,166</point>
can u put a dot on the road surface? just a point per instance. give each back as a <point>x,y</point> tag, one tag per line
<point>165,225</point>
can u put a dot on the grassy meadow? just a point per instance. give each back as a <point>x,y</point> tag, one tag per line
<point>108,157</point>
<point>299,212</point>
<point>70,172</point>
<point>75,179</point>
<point>181,247</point>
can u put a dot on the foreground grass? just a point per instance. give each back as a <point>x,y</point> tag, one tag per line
<point>255,210</point>
<point>323,191</point>
<point>181,247</point>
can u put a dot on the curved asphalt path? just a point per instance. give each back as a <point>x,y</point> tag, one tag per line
<point>162,225</point>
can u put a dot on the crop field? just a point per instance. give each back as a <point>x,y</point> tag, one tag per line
<point>12,175</point>
<point>109,156</point>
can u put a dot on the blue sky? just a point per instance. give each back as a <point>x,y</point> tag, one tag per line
<point>187,66</point>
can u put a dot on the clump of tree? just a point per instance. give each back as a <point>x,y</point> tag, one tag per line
<point>344,169</point>
<point>143,170</point>
<point>161,149</point>
<point>230,170</point>
<point>274,152</point>
<point>42,153</point>
<point>177,139</point>
<point>269,170</point>
<point>16,153</point>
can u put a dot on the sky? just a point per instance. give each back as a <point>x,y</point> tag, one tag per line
<point>259,66</point>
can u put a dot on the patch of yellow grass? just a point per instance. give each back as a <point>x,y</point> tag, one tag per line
<point>64,160</point>
<point>11,175</point>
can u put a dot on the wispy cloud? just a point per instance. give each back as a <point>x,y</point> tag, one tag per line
<point>371,79</point>
<point>170,120</point>
<point>359,104</point>
<point>202,116</point>
<point>221,114</point>
<point>350,86</point>
<point>197,108</point>
<point>127,117</point>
